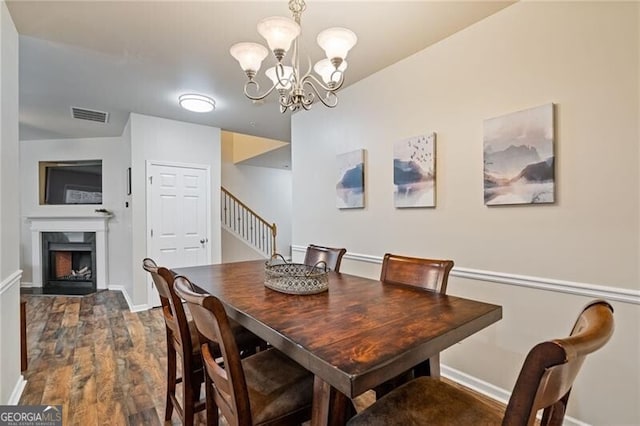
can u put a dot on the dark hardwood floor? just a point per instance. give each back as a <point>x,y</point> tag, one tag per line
<point>104,364</point>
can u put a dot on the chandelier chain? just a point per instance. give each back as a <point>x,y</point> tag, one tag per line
<point>297,7</point>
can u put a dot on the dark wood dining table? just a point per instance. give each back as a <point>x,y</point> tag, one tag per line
<point>353,337</point>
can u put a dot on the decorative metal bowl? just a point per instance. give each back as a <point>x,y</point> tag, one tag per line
<point>295,278</point>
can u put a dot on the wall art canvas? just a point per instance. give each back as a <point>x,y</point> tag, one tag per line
<point>519,157</point>
<point>414,171</point>
<point>350,184</point>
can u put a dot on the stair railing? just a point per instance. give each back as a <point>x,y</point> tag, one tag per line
<point>237,217</point>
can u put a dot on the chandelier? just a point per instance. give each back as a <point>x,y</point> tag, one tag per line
<point>296,90</point>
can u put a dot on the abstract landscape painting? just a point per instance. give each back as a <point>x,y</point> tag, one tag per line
<point>519,157</point>
<point>414,171</point>
<point>350,185</point>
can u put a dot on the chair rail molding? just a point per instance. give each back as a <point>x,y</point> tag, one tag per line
<point>11,280</point>
<point>540,283</point>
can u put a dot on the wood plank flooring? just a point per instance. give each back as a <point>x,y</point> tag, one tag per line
<point>104,364</point>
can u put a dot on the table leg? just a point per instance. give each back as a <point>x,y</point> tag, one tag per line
<point>330,407</point>
<point>321,402</point>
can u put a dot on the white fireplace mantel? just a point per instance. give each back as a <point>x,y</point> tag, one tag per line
<point>97,224</point>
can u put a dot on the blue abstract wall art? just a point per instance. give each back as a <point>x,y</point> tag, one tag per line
<point>350,184</point>
<point>414,171</point>
<point>519,161</point>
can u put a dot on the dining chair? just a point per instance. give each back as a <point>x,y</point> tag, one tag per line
<point>331,256</point>
<point>430,274</point>
<point>263,389</point>
<point>544,383</point>
<point>182,342</point>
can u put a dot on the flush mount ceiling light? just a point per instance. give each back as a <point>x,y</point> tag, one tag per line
<point>297,90</point>
<point>197,103</point>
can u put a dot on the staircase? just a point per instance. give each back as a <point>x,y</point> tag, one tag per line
<point>247,225</point>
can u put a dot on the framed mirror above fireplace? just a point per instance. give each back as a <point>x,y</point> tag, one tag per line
<point>70,182</point>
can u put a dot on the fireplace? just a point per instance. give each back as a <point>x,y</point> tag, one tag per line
<point>70,252</point>
<point>68,262</point>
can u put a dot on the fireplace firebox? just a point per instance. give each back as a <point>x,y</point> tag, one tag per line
<point>69,262</point>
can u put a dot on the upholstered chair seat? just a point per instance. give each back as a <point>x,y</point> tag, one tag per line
<point>277,386</point>
<point>432,399</point>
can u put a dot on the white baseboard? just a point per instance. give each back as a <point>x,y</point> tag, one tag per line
<point>14,399</point>
<point>132,307</point>
<point>24,284</point>
<point>491,391</point>
<point>476,384</point>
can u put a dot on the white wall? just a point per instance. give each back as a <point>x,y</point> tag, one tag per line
<point>235,249</point>
<point>144,138</point>
<point>268,192</point>
<point>114,154</point>
<point>159,139</point>
<point>127,232</point>
<point>584,58</point>
<point>11,381</point>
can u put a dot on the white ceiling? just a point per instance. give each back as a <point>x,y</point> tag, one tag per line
<point>138,56</point>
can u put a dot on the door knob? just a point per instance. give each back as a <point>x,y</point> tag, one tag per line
<point>202,241</point>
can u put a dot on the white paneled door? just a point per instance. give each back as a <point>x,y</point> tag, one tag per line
<point>178,216</point>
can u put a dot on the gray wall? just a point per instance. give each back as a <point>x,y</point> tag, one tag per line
<point>541,263</point>
<point>11,382</point>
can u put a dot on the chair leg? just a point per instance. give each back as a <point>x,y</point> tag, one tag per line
<point>171,381</point>
<point>554,415</point>
<point>188,401</point>
<point>212,408</point>
<point>196,384</point>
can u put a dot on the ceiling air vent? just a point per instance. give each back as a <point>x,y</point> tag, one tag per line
<point>88,114</point>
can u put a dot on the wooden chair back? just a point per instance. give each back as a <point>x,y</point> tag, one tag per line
<point>550,368</point>
<point>231,394</point>
<point>173,312</point>
<point>431,274</point>
<point>329,255</point>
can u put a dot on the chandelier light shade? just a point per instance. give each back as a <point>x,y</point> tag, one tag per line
<point>279,32</point>
<point>296,89</point>
<point>336,42</point>
<point>282,81</point>
<point>249,55</point>
<point>196,103</point>
<point>328,72</point>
